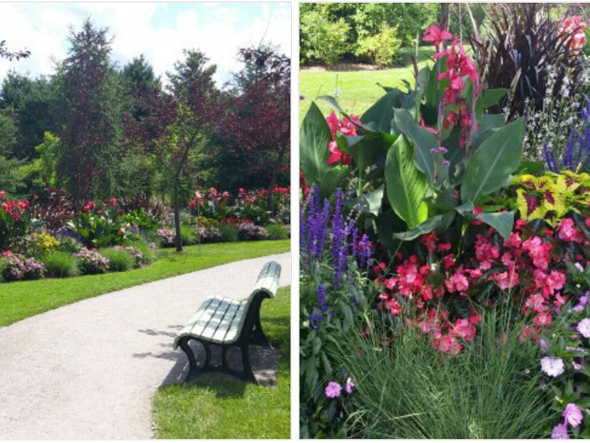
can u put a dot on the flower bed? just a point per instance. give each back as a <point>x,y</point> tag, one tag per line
<point>426,233</point>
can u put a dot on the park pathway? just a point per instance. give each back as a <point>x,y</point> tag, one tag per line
<point>89,370</point>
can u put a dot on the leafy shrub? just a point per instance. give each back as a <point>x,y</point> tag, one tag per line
<point>18,267</point>
<point>322,41</point>
<point>45,242</point>
<point>277,232</point>
<point>204,222</point>
<point>91,262</point>
<point>69,244</point>
<point>209,235</point>
<point>189,236</point>
<point>249,231</point>
<point>61,264</point>
<point>119,258</point>
<point>380,48</point>
<point>229,233</point>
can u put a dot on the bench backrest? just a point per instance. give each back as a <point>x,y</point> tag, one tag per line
<point>267,281</point>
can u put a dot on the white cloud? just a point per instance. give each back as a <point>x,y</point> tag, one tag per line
<point>218,29</point>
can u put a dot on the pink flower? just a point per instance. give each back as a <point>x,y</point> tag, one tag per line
<point>241,191</point>
<point>436,35</point>
<point>543,319</point>
<point>560,432</point>
<point>333,390</point>
<point>567,231</point>
<point>2,194</point>
<point>336,155</point>
<point>225,194</point>
<point>463,329</point>
<point>429,240</point>
<point>213,192</point>
<point>584,327</point>
<point>333,123</point>
<point>552,366</point>
<point>572,415</point>
<point>349,386</point>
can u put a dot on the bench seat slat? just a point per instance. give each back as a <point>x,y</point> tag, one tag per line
<point>234,330</point>
<point>215,319</point>
<point>226,322</point>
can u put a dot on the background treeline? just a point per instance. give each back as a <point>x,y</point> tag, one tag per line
<point>102,130</point>
<point>382,33</point>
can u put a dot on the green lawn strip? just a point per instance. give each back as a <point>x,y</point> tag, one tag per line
<point>233,409</point>
<point>358,89</point>
<point>23,299</point>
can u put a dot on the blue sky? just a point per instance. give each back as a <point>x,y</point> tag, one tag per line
<point>158,30</point>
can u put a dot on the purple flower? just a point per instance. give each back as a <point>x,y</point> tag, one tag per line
<point>434,150</point>
<point>333,390</point>
<point>443,150</point>
<point>349,386</point>
<point>552,366</point>
<point>560,432</point>
<point>572,415</point>
<point>543,344</point>
<point>446,163</point>
<point>584,327</point>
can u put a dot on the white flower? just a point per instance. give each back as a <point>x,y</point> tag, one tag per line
<point>552,366</point>
<point>584,327</point>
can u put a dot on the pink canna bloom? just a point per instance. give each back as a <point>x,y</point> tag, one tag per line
<point>436,35</point>
<point>336,155</point>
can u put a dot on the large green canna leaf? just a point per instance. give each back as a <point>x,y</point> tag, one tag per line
<point>406,185</point>
<point>314,140</point>
<point>422,139</point>
<point>440,221</point>
<point>503,222</point>
<point>380,115</point>
<point>493,161</point>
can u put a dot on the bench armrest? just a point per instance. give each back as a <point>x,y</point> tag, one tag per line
<point>267,281</point>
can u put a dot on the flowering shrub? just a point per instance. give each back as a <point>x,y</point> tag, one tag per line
<point>18,267</point>
<point>209,235</point>
<point>14,219</point>
<point>167,236</point>
<point>249,231</point>
<point>137,255</point>
<point>91,262</point>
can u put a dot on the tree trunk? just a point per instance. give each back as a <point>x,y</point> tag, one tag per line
<point>273,180</point>
<point>444,15</point>
<point>177,217</point>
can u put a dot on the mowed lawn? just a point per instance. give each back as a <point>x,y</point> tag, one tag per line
<point>358,90</point>
<point>233,409</point>
<point>20,300</point>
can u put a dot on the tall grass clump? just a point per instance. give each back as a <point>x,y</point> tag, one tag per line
<point>405,389</point>
<point>119,259</point>
<point>61,264</point>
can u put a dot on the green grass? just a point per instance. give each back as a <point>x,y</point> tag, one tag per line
<point>233,409</point>
<point>358,89</point>
<point>23,299</point>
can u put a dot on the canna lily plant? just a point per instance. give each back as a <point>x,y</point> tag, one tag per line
<point>421,158</point>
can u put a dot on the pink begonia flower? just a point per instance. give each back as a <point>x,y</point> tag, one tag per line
<point>567,231</point>
<point>584,327</point>
<point>560,432</point>
<point>333,390</point>
<point>552,366</point>
<point>573,415</point>
<point>349,386</point>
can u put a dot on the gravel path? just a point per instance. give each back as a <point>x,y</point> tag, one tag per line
<point>89,370</point>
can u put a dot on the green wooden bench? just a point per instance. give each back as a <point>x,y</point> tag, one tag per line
<point>229,323</point>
